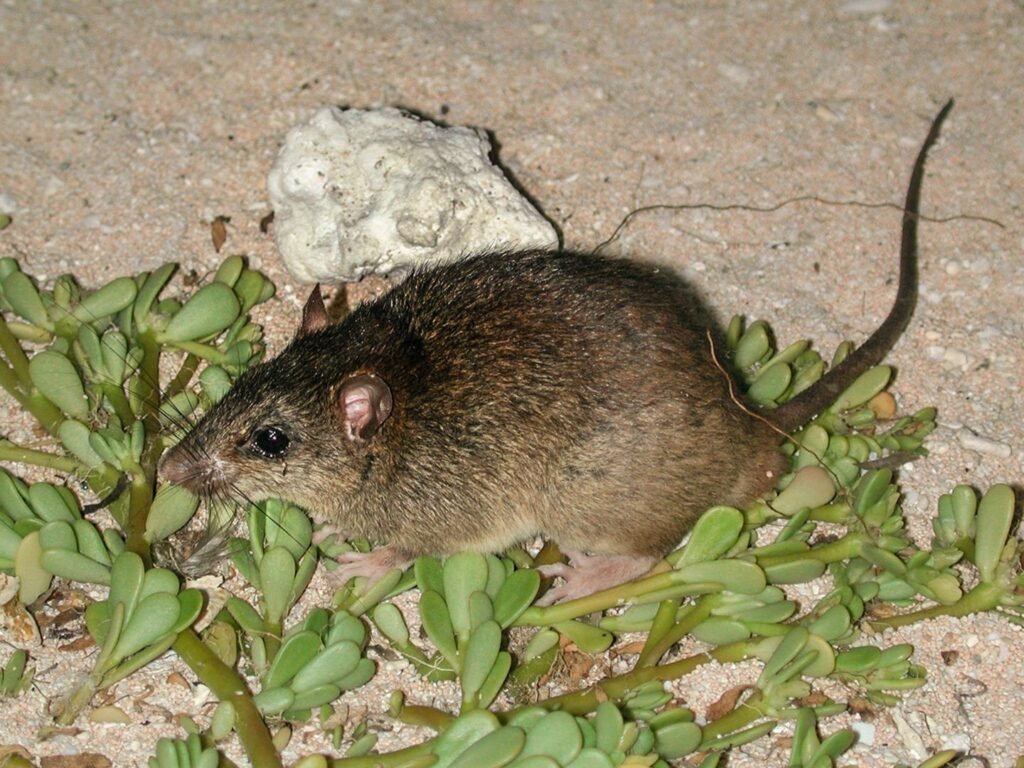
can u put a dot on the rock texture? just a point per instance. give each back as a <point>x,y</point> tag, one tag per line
<point>359,192</point>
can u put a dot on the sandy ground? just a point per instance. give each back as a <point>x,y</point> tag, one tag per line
<point>125,129</point>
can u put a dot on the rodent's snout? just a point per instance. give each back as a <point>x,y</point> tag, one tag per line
<point>193,469</point>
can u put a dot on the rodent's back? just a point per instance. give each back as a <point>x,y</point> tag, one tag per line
<point>504,344</point>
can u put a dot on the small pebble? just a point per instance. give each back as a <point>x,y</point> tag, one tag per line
<point>959,742</point>
<point>865,732</point>
<point>911,738</point>
<point>949,355</point>
<point>201,695</point>
<point>736,73</point>
<point>1002,649</point>
<point>973,442</point>
<point>824,113</point>
<point>881,24</point>
<point>955,357</point>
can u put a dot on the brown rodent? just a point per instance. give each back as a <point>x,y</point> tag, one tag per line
<point>488,400</point>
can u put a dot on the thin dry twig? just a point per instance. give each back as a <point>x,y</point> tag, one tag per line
<point>778,206</point>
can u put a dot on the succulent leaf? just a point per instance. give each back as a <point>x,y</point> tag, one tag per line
<point>57,380</point>
<point>210,310</point>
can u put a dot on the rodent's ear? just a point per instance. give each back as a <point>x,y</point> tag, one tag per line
<point>314,313</point>
<point>365,403</point>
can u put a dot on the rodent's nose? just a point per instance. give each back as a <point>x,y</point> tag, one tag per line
<point>192,469</point>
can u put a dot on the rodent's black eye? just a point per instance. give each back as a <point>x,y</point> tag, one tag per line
<point>270,442</point>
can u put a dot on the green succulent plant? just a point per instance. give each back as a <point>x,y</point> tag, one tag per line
<point>87,365</point>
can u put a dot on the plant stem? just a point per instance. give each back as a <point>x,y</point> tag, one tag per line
<point>983,597</point>
<point>834,551</point>
<point>149,381</point>
<point>9,381</point>
<point>140,500</point>
<point>15,355</point>
<point>608,598</point>
<point>183,377</point>
<point>136,663</point>
<point>272,631</point>
<point>203,351</point>
<point>79,700</point>
<point>429,717</point>
<point>736,738</point>
<point>45,412</point>
<point>83,694</point>
<point>11,452</point>
<point>740,717</point>
<point>228,686</point>
<point>658,643</point>
<point>582,702</point>
<point>418,756</point>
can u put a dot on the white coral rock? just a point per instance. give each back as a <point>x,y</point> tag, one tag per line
<point>377,191</point>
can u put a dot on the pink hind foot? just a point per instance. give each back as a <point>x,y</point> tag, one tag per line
<point>592,573</point>
<point>371,565</point>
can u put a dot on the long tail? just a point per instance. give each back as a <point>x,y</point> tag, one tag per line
<point>812,401</point>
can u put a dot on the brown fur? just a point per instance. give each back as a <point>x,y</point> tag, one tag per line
<point>533,393</point>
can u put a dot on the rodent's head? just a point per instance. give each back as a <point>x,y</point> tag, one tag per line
<point>294,428</point>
